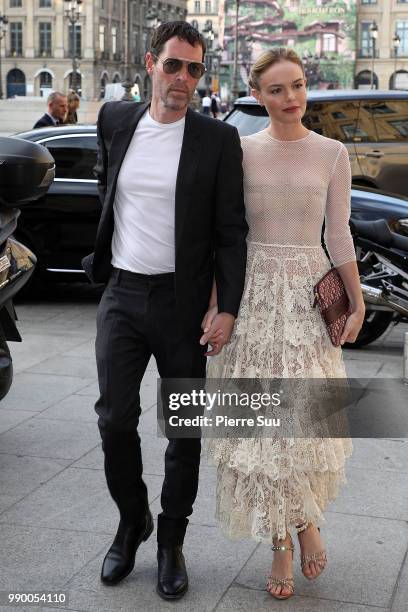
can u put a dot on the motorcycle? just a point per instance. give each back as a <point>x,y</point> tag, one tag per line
<point>26,171</point>
<point>382,258</point>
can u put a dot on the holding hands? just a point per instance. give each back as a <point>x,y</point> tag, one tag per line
<point>217,328</point>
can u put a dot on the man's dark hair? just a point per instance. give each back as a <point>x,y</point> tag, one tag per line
<point>181,29</point>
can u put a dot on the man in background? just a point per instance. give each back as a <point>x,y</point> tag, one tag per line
<point>206,104</point>
<point>56,113</point>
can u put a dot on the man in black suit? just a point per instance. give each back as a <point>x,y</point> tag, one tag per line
<point>173,219</point>
<point>57,111</point>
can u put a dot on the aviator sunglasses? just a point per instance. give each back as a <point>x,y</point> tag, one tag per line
<point>171,65</point>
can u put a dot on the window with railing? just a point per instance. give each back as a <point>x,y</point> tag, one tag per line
<point>16,3</point>
<point>45,3</point>
<point>197,6</point>
<point>16,38</point>
<point>401,28</point>
<point>102,38</point>
<point>75,39</point>
<point>114,40</point>
<point>45,47</point>
<point>366,42</point>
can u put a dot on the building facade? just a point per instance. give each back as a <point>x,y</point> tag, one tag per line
<point>207,17</point>
<point>334,40</point>
<point>382,63</point>
<point>39,42</point>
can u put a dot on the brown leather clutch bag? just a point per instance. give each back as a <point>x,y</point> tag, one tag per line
<point>333,303</point>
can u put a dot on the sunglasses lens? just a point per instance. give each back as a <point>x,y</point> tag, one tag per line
<point>172,65</point>
<point>196,70</point>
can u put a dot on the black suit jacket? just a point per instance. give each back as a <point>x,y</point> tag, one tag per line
<point>44,121</point>
<point>210,225</point>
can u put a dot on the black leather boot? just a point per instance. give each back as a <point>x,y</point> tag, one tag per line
<point>120,558</point>
<point>172,580</point>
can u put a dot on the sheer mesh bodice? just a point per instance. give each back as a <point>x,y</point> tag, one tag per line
<point>291,187</point>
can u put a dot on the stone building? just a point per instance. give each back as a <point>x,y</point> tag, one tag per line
<point>389,70</point>
<point>208,17</point>
<point>37,49</point>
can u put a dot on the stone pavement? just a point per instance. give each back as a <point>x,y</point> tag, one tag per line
<point>57,519</point>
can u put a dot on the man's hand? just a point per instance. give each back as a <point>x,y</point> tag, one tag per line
<point>219,332</point>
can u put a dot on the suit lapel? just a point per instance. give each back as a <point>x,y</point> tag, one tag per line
<point>121,139</point>
<point>187,168</point>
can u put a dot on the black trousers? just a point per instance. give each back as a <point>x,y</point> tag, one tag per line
<point>136,319</point>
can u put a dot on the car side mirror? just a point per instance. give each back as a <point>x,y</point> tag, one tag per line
<point>27,170</point>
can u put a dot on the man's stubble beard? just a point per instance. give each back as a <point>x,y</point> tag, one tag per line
<point>174,105</point>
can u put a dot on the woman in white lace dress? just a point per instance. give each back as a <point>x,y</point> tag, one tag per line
<point>294,179</point>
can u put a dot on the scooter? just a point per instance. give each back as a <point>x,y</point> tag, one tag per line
<point>26,171</point>
<point>382,257</point>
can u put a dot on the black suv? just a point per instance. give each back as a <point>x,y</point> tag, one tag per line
<point>372,124</point>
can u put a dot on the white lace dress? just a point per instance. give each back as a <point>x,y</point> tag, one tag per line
<point>266,485</point>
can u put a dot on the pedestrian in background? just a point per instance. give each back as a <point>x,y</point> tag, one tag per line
<point>206,104</point>
<point>73,105</point>
<point>215,105</point>
<point>57,110</point>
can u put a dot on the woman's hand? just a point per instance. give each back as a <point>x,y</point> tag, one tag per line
<point>353,325</point>
<point>209,318</point>
<point>219,333</point>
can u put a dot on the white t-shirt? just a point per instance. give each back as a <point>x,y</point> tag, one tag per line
<point>206,102</point>
<point>143,237</point>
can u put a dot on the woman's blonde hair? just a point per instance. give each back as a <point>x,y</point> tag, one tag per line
<point>269,58</point>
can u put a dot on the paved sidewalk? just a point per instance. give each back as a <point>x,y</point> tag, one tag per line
<point>57,519</point>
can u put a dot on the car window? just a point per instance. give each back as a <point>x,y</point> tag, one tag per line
<point>75,157</point>
<point>388,118</point>
<point>334,119</point>
<point>248,120</point>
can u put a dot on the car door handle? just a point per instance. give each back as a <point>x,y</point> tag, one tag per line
<point>375,153</point>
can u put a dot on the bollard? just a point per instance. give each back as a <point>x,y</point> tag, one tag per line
<point>406,358</point>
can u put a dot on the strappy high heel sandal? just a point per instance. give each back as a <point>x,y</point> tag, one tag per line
<point>319,557</point>
<point>287,582</point>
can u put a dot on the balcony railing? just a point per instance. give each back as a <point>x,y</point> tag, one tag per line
<point>401,53</point>
<point>367,53</point>
<point>68,54</point>
<point>45,53</point>
<point>117,57</point>
<point>14,53</point>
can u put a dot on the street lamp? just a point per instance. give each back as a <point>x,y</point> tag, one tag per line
<point>210,37</point>
<point>374,34</point>
<point>218,51</point>
<point>152,21</point>
<point>152,18</point>
<point>3,30</point>
<point>235,88</point>
<point>73,10</point>
<point>248,56</point>
<point>128,83</point>
<point>395,42</point>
